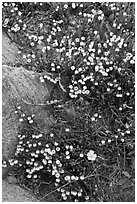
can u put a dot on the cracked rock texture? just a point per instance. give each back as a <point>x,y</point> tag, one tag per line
<point>19,87</point>
<point>9,51</point>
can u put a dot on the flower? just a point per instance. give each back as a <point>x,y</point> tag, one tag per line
<point>91,155</point>
<point>94,67</point>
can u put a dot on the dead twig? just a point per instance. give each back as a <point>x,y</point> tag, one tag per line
<point>42,104</point>
<point>52,192</point>
<point>61,84</point>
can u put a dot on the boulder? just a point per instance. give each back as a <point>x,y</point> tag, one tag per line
<point>14,193</point>
<point>20,87</point>
<point>9,51</point>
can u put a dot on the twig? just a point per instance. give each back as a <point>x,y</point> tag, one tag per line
<point>124,158</point>
<point>41,104</point>
<point>61,84</point>
<point>25,187</point>
<point>52,191</point>
<point>117,116</point>
<point>91,175</point>
<point>33,104</point>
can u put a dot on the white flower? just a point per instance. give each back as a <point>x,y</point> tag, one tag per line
<point>82,177</point>
<point>29,176</point>
<point>20,119</point>
<point>81,155</point>
<point>91,155</point>
<point>30,121</point>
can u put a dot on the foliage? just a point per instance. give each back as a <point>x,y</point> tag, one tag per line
<point>87,51</point>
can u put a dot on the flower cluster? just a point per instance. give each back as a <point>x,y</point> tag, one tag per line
<point>66,157</point>
<point>90,59</point>
<point>44,159</point>
<point>87,51</point>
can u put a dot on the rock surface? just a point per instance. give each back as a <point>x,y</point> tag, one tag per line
<point>14,193</point>
<point>9,51</point>
<point>18,87</point>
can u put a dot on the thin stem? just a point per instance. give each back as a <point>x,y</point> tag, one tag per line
<point>53,191</point>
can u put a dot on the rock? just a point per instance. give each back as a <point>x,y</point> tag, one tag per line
<point>9,51</point>
<point>14,193</point>
<point>20,85</point>
<point>12,179</point>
